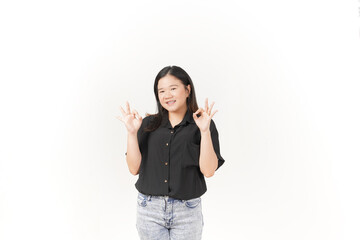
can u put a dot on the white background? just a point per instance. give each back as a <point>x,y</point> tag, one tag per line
<point>284,77</point>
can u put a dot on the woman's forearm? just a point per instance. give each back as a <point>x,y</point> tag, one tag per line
<point>208,158</point>
<point>133,155</point>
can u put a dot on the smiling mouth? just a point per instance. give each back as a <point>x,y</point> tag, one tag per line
<point>171,102</point>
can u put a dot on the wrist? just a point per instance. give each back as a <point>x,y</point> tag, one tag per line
<point>132,133</point>
<point>207,131</point>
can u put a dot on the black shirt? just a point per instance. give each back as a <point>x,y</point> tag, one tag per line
<point>170,158</point>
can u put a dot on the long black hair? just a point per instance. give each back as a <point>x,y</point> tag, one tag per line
<point>191,102</point>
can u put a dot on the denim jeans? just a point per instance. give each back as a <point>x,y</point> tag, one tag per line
<point>164,218</point>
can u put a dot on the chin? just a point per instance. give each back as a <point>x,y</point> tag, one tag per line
<point>166,109</point>
<point>170,109</point>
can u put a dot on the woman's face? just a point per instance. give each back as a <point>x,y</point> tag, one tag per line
<point>172,94</point>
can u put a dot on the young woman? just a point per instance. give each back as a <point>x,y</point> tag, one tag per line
<point>172,151</point>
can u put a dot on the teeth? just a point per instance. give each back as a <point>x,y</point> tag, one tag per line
<point>170,102</point>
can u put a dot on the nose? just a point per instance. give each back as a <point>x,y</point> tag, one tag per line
<point>168,94</point>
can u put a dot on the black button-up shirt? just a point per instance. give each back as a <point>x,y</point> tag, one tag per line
<point>170,158</point>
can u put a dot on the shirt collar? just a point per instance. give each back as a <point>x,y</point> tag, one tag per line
<point>188,118</point>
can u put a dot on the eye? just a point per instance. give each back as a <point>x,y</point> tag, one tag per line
<point>173,88</point>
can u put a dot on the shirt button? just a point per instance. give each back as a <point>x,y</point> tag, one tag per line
<point>165,180</point>
<point>172,131</point>
<point>166,163</point>
<point>167,144</point>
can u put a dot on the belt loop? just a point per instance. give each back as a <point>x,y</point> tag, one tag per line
<point>149,197</point>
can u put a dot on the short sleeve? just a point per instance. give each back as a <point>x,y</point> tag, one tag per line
<point>215,142</point>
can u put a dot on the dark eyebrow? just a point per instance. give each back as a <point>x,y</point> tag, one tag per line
<point>169,86</point>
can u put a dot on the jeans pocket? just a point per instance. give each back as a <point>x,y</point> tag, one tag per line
<point>142,202</point>
<point>193,203</point>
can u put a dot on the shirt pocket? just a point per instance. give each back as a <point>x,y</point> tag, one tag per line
<point>191,155</point>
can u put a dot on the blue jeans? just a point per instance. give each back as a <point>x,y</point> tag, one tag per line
<point>164,218</point>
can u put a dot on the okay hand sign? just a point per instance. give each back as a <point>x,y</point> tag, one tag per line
<point>129,118</point>
<point>203,122</point>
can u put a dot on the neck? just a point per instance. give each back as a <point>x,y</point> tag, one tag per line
<point>176,117</point>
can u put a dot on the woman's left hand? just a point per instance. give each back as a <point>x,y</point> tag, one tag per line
<point>203,122</point>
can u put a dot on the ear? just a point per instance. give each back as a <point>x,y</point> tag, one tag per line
<point>189,89</point>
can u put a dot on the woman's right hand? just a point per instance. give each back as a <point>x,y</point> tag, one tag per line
<point>129,118</point>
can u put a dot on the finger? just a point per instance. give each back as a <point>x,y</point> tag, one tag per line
<point>137,114</point>
<point>212,104</point>
<point>214,113</point>
<point>119,118</point>
<point>197,112</point>
<point>127,107</point>
<point>206,105</point>
<point>122,111</point>
<point>199,109</point>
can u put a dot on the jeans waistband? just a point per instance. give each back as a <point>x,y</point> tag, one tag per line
<point>165,197</point>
